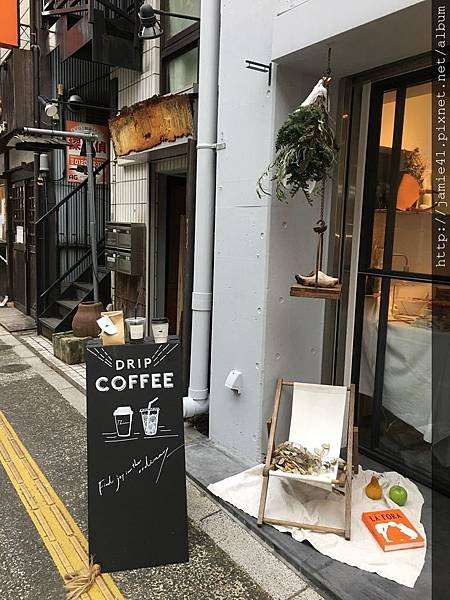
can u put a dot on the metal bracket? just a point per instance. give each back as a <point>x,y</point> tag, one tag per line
<point>262,67</point>
<point>215,146</point>
<point>201,301</point>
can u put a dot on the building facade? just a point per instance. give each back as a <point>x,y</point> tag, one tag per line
<point>193,128</point>
<point>45,238</point>
<point>378,244</point>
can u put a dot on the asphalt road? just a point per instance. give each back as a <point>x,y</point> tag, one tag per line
<point>54,433</point>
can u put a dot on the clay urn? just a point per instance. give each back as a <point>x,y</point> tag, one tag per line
<point>408,192</point>
<point>84,323</point>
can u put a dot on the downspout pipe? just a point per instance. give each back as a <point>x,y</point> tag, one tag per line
<point>197,401</point>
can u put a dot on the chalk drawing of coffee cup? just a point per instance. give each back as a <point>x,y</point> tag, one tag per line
<point>150,417</point>
<point>123,416</point>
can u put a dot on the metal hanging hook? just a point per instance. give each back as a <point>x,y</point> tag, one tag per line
<point>327,76</point>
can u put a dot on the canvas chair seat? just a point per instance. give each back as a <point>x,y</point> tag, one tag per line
<point>321,414</point>
<point>318,417</point>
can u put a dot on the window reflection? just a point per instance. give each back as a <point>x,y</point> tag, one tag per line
<point>184,7</point>
<point>183,70</point>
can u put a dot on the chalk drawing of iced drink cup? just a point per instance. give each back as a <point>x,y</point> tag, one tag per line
<point>123,416</point>
<point>150,417</point>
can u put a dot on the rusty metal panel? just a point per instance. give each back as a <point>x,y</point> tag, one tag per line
<point>75,39</point>
<point>15,89</point>
<point>151,122</point>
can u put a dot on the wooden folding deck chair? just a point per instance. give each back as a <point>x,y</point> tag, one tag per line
<point>318,414</point>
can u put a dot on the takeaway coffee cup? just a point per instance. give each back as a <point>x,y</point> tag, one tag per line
<point>123,416</point>
<point>136,329</point>
<point>160,329</point>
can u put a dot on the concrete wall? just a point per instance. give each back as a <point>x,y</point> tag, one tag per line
<point>242,221</point>
<point>303,23</point>
<point>260,244</point>
<point>294,326</point>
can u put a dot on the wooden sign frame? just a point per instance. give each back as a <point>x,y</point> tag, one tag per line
<point>136,465</point>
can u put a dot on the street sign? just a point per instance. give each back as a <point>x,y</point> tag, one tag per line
<point>136,468</point>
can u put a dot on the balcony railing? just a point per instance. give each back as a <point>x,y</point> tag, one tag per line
<point>109,26</point>
<point>56,8</point>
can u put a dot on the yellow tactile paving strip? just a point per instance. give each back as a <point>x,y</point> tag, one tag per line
<point>61,535</point>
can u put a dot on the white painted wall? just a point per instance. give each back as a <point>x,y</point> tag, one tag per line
<point>294,326</point>
<point>303,23</point>
<point>241,244</point>
<point>260,244</point>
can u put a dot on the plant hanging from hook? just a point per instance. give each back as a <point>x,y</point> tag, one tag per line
<point>305,148</point>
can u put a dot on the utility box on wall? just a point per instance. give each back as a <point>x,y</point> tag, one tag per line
<point>125,244</point>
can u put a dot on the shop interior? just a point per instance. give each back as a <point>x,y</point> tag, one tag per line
<point>395,370</point>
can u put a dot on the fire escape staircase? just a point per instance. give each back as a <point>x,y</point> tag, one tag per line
<point>64,248</point>
<point>103,31</point>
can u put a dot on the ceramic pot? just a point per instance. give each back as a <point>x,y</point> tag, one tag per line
<point>408,192</point>
<point>84,323</point>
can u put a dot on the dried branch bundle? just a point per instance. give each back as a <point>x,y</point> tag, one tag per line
<point>294,458</point>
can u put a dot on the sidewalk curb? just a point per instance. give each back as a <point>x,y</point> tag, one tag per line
<point>250,525</point>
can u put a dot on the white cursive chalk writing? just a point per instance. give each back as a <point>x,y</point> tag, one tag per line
<point>138,466</point>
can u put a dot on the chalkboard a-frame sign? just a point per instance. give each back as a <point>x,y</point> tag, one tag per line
<point>136,468</point>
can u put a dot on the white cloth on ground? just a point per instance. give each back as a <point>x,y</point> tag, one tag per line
<point>294,501</point>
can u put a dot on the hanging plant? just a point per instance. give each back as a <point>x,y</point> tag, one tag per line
<point>305,149</point>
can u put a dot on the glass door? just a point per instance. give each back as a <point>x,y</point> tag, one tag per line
<point>393,329</point>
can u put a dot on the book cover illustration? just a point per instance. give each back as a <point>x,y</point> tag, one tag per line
<point>392,530</point>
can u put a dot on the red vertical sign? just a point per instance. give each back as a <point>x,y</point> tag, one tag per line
<point>9,24</point>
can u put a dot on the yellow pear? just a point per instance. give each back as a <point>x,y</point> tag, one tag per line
<point>374,491</point>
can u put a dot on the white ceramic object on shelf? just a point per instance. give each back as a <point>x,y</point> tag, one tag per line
<point>323,280</point>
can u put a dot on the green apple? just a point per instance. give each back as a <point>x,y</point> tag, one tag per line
<point>398,494</point>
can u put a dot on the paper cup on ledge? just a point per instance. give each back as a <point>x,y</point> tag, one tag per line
<point>136,329</point>
<point>160,330</point>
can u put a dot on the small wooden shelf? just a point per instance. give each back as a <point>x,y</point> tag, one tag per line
<point>309,291</point>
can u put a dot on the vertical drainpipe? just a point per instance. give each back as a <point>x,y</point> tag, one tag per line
<point>35,91</point>
<point>197,401</point>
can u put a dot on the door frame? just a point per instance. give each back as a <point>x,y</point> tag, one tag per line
<point>187,153</point>
<point>387,273</point>
<point>352,126</point>
<point>352,131</point>
<point>24,179</point>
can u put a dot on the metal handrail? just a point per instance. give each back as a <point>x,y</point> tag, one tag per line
<point>116,9</point>
<point>72,268</point>
<point>76,189</point>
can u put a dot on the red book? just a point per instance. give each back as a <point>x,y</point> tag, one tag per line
<point>392,530</point>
